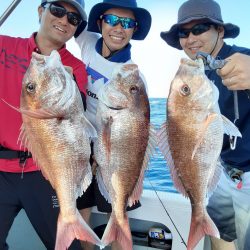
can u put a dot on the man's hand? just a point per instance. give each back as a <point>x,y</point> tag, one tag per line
<point>236,72</point>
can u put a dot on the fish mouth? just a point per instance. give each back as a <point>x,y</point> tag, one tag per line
<point>114,108</point>
<point>109,102</point>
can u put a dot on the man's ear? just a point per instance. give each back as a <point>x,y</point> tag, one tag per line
<point>221,31</point>
<point>99,24</point>
<point>40,11</point>
<point>135,29</point>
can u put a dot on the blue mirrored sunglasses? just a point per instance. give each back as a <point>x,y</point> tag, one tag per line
<point>113,20</point>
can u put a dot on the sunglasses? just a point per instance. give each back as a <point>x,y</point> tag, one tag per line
<point>113,20</point>
<point>195,30</point>
<point>59,11</point>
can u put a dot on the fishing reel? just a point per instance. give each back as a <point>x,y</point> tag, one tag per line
<point>159,238</point>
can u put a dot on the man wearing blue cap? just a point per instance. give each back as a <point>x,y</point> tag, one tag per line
<point>200,28</point>
<point>117,21</point>
<point>22,185</point>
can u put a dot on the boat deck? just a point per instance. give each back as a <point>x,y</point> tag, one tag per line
<point>160,212</point>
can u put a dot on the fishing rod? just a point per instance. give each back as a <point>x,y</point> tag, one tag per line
<point>8,11</point>
<point>183,241</point>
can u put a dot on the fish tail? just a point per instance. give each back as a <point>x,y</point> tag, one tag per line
<point>200,228</point>
<point>116,232</point>
<point>77,229</point>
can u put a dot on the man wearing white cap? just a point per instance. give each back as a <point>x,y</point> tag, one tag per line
<point>22,185</point>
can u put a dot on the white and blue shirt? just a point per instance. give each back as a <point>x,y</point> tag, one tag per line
<point>99,69</point>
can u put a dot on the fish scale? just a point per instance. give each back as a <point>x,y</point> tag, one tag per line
<point>123,147</point>
<point>57,134</point>
<point>191,141</point>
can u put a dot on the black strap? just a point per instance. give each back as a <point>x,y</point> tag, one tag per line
<point>6,153</point>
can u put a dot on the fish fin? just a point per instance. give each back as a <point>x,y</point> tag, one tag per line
<point>42,114</point>
<point>23,138</point>
<point>163,144</point>
<point>165,149</point>
<point>25,143</point>
<point>213,181</point>
<point>119,233</point>
<point>77,229</point>
<point>101,185</point>
<point>106,137</point>
<point>177,181</point>
<point>89,128</point>
<point>200,228</point>
<point>39,113</point>
<point>150,150</point>
<point>230,128</point>
<point>87,179</point>
<point>15,108</point>
<point>163,139</point>
<point>210,118</point>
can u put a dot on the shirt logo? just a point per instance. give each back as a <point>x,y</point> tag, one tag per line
<point>95,75</point>
<point>55,203</point>
<point>12,61</point>
<point>91,94</point>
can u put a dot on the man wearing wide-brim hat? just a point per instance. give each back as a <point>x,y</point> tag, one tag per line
<point>200,27</point>
<point>105,45</point>
<point>197,11</point>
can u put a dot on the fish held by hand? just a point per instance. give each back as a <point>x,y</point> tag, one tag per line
<point>191,142</point>
<point>57,134</point>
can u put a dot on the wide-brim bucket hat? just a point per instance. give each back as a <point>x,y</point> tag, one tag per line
<point>78,4</point>
<point>142,16</point>
<point>207,10</point>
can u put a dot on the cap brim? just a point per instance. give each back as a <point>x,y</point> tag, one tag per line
<point>171,37</point>
<point>75,4</point>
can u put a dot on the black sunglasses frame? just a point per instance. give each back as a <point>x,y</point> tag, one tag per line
<point>59,12</point>
<point>196,30</point>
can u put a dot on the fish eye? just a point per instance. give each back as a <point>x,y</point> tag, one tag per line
<point>31,87</point>
<point>133,89</point>
<point>185,90</point>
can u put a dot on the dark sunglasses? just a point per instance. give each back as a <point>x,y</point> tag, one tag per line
<point>195,30</point>
<point>59,11</point>
<point>113,20</point>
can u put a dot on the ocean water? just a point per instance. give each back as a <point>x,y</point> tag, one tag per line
<point>157,176</point>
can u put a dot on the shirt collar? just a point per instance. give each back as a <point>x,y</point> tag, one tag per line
<point>121,56</point>
<point>224,51</point>
<point>34,48</point>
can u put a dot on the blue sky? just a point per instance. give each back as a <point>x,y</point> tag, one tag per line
<point>157,61</point>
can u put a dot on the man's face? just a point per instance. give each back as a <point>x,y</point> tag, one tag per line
<point>54,29</point>
<point>116,37</point>
<point>206,38</point>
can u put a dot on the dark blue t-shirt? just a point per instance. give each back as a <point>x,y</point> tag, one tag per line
<point>240,157</point>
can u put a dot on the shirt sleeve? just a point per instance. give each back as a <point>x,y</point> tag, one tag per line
<point>144,81</point>
<point>86,42</point>
<point>80,75</point>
